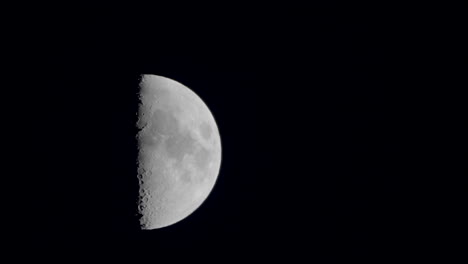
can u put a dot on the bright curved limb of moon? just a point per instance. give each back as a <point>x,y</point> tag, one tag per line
<point>180,152</point>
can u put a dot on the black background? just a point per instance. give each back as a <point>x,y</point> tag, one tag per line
<point>316,112</point>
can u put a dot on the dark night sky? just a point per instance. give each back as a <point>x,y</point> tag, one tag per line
<point>316,121</point>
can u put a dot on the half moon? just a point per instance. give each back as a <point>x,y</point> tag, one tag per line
<point>179,152</point>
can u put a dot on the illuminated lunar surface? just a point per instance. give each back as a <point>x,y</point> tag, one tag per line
<point>179,152</point>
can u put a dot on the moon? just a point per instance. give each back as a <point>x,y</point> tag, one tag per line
<point>179,152</point>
